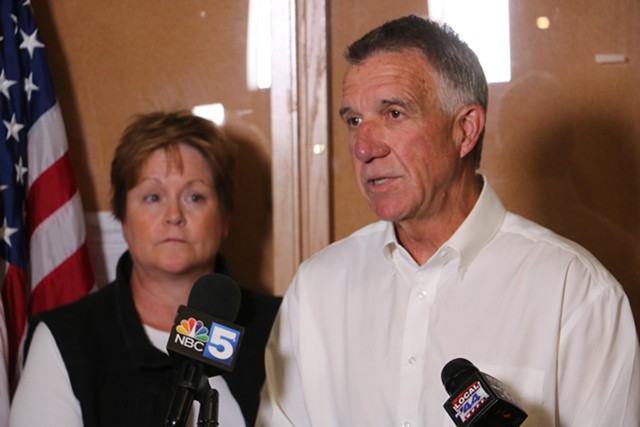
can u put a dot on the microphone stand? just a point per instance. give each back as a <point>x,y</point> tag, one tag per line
<point>193,384</point>
<point>208,398</point>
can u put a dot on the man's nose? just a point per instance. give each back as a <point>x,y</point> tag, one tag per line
<point>369,143</point>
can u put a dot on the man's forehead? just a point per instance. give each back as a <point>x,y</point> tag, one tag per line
<point>405,62</point>
<point>387,78</point>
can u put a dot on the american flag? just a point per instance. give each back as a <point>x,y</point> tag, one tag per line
<point>44,260</point>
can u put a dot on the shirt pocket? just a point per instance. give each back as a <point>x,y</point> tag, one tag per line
<point>526,385</point>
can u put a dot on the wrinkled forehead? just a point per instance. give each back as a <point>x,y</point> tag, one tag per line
<point>406,62</point>
<point>404,73</point>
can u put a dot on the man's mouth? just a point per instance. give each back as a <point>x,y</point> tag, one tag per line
<point>379,181</point>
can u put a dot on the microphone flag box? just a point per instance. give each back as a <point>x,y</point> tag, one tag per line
<point>466,403</point>
<point>205,338</point>
<point>480,399</point>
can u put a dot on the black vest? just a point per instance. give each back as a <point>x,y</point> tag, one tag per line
<point>118,376</point>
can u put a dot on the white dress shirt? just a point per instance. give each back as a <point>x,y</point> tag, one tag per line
<point>364,332</point>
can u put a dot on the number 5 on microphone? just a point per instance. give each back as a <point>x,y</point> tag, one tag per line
<point>222,344</point>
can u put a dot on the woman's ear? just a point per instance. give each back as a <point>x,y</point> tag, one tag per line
<point>226,225</point>
<point>469,123</point>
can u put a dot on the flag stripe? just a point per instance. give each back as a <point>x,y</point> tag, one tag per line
<point>47,142</point>
<point>57,238</point>
<point>53,188</point>
<point>54,290</point>
<point>15,307</point>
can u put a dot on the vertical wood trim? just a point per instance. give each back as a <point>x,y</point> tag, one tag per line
<point>299,109</point>
<point>314,127</point>
<point>285,154</point>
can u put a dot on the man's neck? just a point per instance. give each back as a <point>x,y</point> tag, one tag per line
<point>422,237</point>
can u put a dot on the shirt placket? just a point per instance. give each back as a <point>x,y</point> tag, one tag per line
<point>414,344</point>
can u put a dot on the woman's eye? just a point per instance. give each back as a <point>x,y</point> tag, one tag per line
<point>151,198</point>
<point>195,197</point>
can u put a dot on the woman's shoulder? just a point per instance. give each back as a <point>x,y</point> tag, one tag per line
<point>73,325</point>
<point>257,308</point>
<point>88,305</point>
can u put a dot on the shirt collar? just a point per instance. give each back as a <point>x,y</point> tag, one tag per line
<point>482,223</point>
<point>475,232</point>
<point>390,242</point>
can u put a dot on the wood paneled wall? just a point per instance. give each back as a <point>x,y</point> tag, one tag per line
<point>562,145</point>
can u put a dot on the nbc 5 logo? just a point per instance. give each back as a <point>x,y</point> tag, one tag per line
<point>222,343</point>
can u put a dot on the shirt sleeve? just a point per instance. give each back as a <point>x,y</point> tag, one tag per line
<point>282,399</point>
<point>44,394</point>
<point>599,364</point>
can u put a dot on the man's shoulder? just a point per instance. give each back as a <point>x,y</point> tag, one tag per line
<point>541,244</point>
<point>363,250</point>
<point>369,237</point>
<point>517,227</point>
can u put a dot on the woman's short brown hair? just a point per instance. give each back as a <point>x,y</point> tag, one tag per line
<point>149,132</point>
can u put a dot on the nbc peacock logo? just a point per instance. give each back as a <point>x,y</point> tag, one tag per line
<point>193,328</point>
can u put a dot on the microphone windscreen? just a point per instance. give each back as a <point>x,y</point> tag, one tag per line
<point>455,373</point>
<point>216,295</point>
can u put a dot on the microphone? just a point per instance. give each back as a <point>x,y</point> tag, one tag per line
<point>203,342</point>
<point>477,399</point>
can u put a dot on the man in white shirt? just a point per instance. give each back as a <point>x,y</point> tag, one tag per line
<point>369,322</point>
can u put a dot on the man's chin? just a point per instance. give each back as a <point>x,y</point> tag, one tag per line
<point>387,213</point>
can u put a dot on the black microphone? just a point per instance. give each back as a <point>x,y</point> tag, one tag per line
<point>477,399</point>
<point>203,343</point>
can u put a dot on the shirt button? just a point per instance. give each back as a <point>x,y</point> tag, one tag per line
<point>422,295</point>
<point>406,424</point>
<point>412,360</point>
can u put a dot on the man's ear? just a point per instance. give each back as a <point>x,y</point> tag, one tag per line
<point>469,125</point>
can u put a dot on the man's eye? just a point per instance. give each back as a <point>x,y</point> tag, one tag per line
<point>354,121</point>
<point>395,114</point>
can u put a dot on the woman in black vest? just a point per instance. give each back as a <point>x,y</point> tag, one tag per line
<point>102,361</point>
